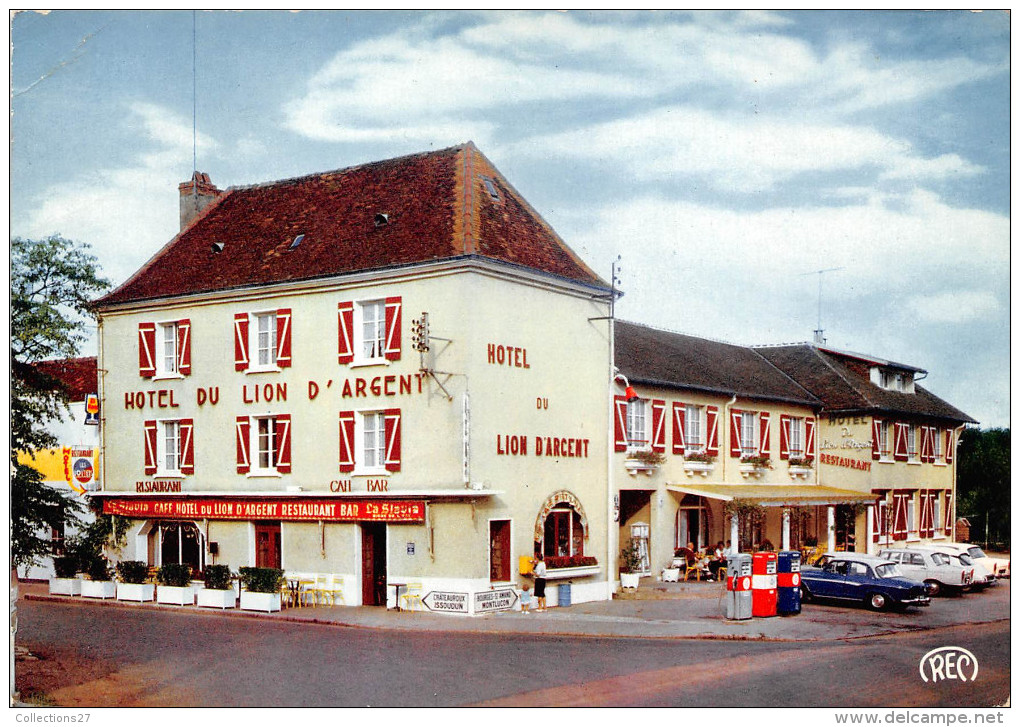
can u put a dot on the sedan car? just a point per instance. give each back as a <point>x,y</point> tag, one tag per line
<point>876,582</point>
<point>999,567</point>
<point>937,570</point>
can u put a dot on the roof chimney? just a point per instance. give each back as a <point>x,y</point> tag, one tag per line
<point>196,195</point>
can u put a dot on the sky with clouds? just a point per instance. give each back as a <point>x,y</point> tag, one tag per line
<point>726,157</point>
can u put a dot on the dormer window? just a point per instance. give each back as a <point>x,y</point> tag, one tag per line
<point>490,187</point>
<point>900,381</point>
<point>382,219</point>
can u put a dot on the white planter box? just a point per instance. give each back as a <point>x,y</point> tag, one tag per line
<point>698,468</point>
<point>576,571</point>
<point>629,580</point>
<point>216,598</point>
<point>802,472</point>
<point>176,595</point>
<point>670,575</point>
<point>751,470</point>
<point>635,466</point>
<point>260,601</point>
<point>136,592</point>
<point>65,586</point>
<point>99,589</point>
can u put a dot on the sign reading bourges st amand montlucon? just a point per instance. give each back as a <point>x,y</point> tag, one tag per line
<point>404,511</point>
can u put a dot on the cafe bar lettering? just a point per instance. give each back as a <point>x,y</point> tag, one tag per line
<point>399,375</point>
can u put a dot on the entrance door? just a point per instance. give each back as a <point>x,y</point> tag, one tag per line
<point>499,550</point>
<point>373,564</point>
<point>267,545</point>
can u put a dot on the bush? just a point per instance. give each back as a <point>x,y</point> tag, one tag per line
<point>261,580</point>
<point>218,577</point>
<point>132,571</point>
<point>65,566</point>
<point>99,570</point>
<point>174,574</point>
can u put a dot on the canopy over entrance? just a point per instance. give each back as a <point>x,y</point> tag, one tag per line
<point>776,495</point>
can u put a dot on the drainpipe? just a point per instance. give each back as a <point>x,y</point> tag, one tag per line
<point>725,442</point>
<point>956,438</point>
<point>101,374</point>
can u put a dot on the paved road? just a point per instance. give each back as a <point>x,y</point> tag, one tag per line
<point>159,658</point>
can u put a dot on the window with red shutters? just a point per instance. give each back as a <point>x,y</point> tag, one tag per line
<point>950,445</point>
<point>370,331</point>
<point>901,501</point>
<point>900,451</point>
<point>924,528</point>
<point>370,442</point>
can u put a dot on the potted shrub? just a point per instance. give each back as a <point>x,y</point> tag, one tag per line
<point>260,589</point>
<point>630,567</point>
<point>174,581</point>
<point>98,581</point>
<point>131,585</point>
<point>219,588</point>
<point>65,581</point>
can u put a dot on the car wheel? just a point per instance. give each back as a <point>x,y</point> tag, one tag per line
<point>934,587</point>
<point>877,602</point>
<point>805,594</point>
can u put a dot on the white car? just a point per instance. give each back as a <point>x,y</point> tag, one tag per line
<point>982,577</point>
<point>937,570</point>
<point>998,566</point>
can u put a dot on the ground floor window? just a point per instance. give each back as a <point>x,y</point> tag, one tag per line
<point>564,534</point>
<point>692,523</point>
<point>173,541</point>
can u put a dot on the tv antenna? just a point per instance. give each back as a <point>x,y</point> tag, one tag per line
<point>818,331</point>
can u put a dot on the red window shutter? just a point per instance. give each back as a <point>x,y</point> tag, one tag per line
<point>184,346</point>
<point>876,438</point>
<point>347,441</point>
<point>949,514</point>
<point>282,427</point>
<point>927,445</point>
<point>924,525</point>
<point>658,425</point>
<point>712,431</point>
<point>391,425</point>
<point>679,443</point>
<point>283,321</point>
<point>147,350</point>
<point>243,432</point>
<point>764,434</point>
<point>620,423</point>
<point>784,436</point>
<point>809,437</point>
<point>241,342</point>
<point>187,446</point>
<point>345,331</point>
<point>950,448</point>
<point>151,457</point>
<point>735,448</point>
<point>878,520</point>
<point>393,329</point>
<point>900,447</point>
<point>900,501</point>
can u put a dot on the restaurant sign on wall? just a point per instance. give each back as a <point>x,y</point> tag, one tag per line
<point>294,509</point>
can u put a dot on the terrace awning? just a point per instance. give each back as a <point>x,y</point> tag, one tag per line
<point>775,495</point>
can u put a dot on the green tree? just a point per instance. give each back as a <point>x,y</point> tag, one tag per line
<point>982,483</point>
<point>52,282</point>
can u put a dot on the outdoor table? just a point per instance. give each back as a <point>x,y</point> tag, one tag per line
<point>397,587</point>
<point>295,586</point>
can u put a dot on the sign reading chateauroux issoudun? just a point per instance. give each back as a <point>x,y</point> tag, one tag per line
<point>277,509</point>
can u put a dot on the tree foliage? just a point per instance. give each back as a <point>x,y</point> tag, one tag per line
<point>52,282</point>
<point>982,483</point>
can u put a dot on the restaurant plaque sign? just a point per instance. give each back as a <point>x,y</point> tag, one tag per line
<point>297,509</point>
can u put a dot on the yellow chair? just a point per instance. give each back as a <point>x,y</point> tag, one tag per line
<point>285,595</point>
<point>411,597</point>
<point>692,569</point>
<point>723,572</point>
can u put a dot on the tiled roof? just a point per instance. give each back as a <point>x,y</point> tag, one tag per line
<point>77,375</point>
<point>652,356</point>
<point>844,385</point>
<point>437,205</point>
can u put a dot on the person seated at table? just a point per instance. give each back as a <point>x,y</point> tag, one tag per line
<point>717,560</point>
<point>685,557</point>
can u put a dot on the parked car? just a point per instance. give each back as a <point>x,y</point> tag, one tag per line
<point>982,576</point>
<point>874,581</point>
<point>999,567</point>
<point>937,570</point>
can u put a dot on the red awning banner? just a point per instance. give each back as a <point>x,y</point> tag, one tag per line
<point>400,511</point>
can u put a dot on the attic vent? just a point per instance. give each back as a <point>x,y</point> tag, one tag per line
<point>297,241</point>
<point>382,219</point>
<point>217,247</point>
<point>490,187</point>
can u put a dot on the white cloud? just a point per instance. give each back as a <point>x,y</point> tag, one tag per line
<point>954,306</point>
<point>744,154</point>
<point>125,213</point>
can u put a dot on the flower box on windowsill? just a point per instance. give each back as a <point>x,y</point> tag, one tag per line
<point>634,466</point>
<point>553,574</point>
<point>751,470</point>
<point>698,468</point>
<point>800,471</point>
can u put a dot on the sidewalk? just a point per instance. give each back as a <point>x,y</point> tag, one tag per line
<point>657,610</point>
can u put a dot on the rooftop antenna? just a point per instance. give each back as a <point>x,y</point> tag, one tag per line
<point>819,338</point>
<point>194,102</point>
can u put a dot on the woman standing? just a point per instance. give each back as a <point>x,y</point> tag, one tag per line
<point>539,562</point>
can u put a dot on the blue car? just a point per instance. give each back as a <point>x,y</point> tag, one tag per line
<point>877,583</point>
